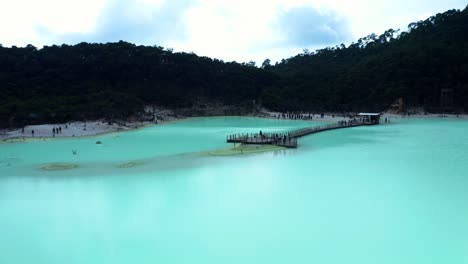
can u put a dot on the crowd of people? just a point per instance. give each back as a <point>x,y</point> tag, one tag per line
<point>57,130</point>
<point>298,116</point>
<point>307,116</point>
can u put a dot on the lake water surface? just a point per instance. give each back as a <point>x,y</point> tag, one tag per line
<point>385,194</point>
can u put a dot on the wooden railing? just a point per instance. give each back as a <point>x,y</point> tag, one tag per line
<point>289,139</point>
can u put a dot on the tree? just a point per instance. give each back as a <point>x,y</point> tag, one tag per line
<point>90,81</point>
<point>266,64</point>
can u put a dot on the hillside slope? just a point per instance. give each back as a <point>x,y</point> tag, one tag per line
<point>426,66</point>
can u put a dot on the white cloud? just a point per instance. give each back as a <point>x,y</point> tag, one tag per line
<point>67,16</point>
<point>245,30</point>
<point>376,16</point>
<point>229,29</point>
<point>239,30</point>
<point>20,19</point>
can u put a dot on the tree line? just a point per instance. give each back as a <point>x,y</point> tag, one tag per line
<point>116,80</point>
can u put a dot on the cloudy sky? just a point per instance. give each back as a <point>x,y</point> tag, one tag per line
<point>240,30</point>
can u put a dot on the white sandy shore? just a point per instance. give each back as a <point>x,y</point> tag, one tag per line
<point>93,128</point>
<point>72,129</point>
<point>420,116</point>
<point>328,117</point>
<point>331,117</point>
<point>86,129</point>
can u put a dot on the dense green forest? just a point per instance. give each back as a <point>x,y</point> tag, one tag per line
<point>427,66</point>
<point>376,70</point>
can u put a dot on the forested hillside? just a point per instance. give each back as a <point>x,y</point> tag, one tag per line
<point>376,70</point>
<point>115,80</point>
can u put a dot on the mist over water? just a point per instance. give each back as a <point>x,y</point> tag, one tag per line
<point>383,194</point>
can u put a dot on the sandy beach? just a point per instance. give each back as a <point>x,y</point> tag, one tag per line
<point>88,128</point>
<point>335,117</point>
<point>93,128</point>
<point>421,116</point>
<point>71,129</point>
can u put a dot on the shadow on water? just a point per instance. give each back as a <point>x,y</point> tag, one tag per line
<point>153,166</point>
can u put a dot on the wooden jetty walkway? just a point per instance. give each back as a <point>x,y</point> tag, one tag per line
<point>289,139</point>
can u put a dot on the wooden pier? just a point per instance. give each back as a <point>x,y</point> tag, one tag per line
<point>289,139</point>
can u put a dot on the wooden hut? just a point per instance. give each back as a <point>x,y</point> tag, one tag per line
<point>370,118</point>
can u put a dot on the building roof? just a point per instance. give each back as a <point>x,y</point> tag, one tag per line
<point>368,114</point>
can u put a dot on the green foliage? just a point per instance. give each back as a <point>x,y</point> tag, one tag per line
<point>375,71</point>
<point>115,80</point>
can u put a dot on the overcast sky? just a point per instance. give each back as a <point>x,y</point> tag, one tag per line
<point>240,30</point>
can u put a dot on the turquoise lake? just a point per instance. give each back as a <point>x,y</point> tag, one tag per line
<point>393,193</point>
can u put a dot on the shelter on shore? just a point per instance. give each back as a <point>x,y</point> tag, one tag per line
<point>370,118</point>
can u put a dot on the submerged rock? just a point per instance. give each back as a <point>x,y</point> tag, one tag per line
<point>59,166</point>
<point>245,149</point>
<point>130,164</point>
